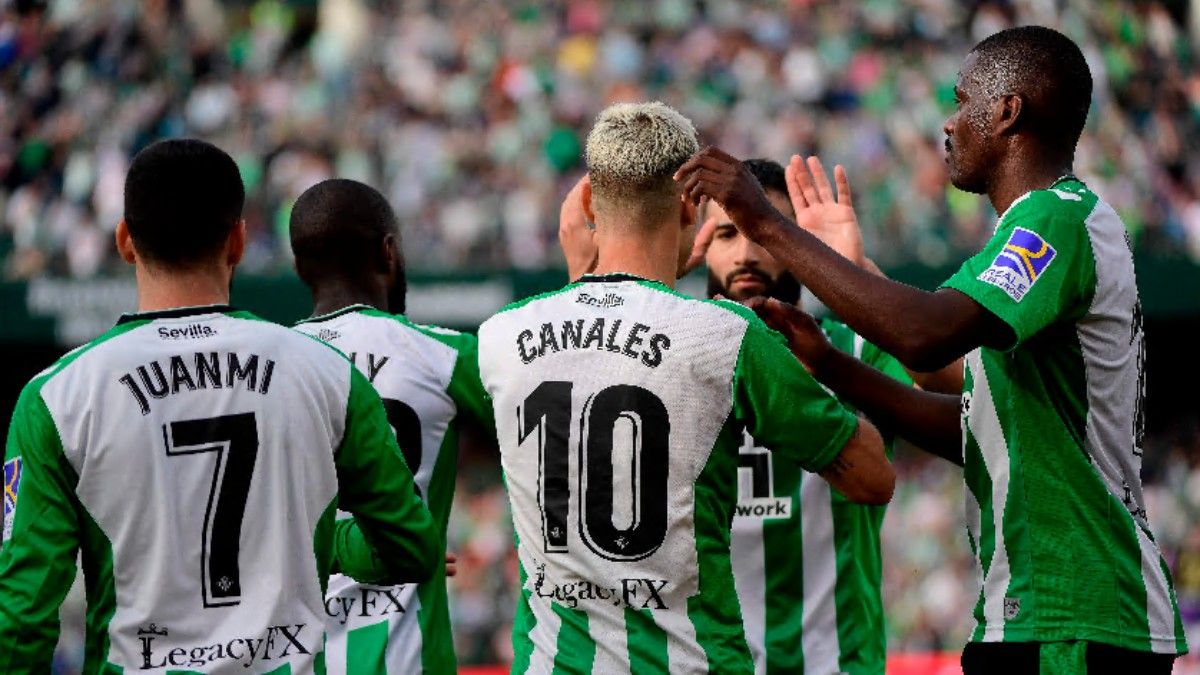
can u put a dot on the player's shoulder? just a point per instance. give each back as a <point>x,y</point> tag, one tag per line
<point>1066,202</point>
<point>457,340</point>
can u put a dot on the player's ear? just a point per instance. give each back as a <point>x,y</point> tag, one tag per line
<point>688,213</point>
<point>389,254</point>
<point>125,243</point>
<point>585,196</point>
<point>236,246</point>
<point>1006,113</point>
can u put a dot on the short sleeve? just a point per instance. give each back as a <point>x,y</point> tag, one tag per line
<point>782,406</point>
<point>466,387</point>
<point>1038,268</point>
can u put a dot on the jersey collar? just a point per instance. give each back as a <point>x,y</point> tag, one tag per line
<point>174,313</point>
<point>612,278</point>
<point>357,307</point>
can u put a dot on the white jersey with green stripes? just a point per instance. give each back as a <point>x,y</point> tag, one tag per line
<point>1053,433</point>
<point>807,561</point>
<point>428,378</point>
<point>619,412</point>
<point>194,458</point>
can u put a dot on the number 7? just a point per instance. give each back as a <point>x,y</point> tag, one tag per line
<point>234,439</point>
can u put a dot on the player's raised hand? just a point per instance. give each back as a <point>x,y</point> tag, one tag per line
<point>575,235</point>
<point>805,338</point>
<point>723,178</point>
<point>827,216</point>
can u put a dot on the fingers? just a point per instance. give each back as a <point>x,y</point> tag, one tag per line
<point>790,174</point>
<point>451,564</point>
<point>824,189</point>
<point>708,158</point>
<point>807,187</point>
<point>843,186</point>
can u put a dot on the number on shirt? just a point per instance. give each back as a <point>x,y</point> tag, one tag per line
<point>407,427</point>
<point>234,440</point>
<point>547,410</point>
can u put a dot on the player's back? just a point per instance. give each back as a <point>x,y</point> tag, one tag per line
<point>618,411</point>
<point>425,376</point>
<point>201,447</point>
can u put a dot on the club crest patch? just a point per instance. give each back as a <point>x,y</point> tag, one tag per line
<point>1019,265</point>
<point>12,481</point>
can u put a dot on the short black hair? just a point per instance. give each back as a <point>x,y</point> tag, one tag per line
<point>1048,70</point>
<point>769,173</point>
<point>337,225</point>
<point>183,197</point>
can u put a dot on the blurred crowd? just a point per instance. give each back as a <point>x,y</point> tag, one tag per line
<point>470,116</point>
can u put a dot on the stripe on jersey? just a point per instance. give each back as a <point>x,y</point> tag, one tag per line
<point>985,427</point>
<point>369,647</point>
<point>646,642</point>
<point>820,636</point>
<point>575,650</point>
<point>750,577</point>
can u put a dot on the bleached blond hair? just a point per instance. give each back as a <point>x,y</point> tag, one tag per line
<point>632,153</point>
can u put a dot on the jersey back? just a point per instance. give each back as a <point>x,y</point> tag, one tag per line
<point>405,628</point>
<point>202,444</point>
<point>617,408</point>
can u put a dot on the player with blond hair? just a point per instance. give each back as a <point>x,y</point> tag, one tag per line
<point>620,406</point>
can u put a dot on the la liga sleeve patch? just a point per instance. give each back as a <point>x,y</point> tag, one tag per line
<point>1020,263</point>
<point>12,481</point>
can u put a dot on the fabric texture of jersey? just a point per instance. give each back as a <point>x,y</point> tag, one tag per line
<point>807,561</point>
<point>428,378</point>
<point>196,458</point>
<point>1052,432</point>
<point>619,411</point>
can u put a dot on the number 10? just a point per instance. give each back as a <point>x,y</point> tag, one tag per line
<point>547,410</point>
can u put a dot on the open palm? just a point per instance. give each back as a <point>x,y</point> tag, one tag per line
<point>828,217</point>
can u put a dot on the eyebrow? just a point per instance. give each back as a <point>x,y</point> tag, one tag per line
<point>726,226</point>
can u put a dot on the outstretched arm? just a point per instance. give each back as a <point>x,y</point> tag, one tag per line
<point>924,330</point>
<point>928,420</point>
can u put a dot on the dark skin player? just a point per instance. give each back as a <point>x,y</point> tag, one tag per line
<point>997,144</point>
<point>1022,96</point>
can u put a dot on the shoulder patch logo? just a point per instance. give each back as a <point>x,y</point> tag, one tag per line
<point>12,481</point>
<point>1019,265</point>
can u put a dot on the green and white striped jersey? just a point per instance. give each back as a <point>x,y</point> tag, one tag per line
<point>619,411</point>
<point>1052,431</point>
<point>196,457</point>
<point>428,378</point>
<point>807,561</point>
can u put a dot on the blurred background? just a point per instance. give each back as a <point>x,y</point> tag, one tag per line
<point>470,118</point>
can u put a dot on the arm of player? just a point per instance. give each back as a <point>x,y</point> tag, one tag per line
<point>926,419</point>
<point>392,538</point>
<point>40,541</point>
<point>924,330</point>
<point>787,411</point>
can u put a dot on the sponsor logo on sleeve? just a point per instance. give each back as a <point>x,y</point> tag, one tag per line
<point>12,481</point>
<point>1020,264</point>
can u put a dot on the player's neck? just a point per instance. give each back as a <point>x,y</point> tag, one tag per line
<point>331,297</point>
<point>647,257</point>
<point>167,289</point>
<point>1016,176</point>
